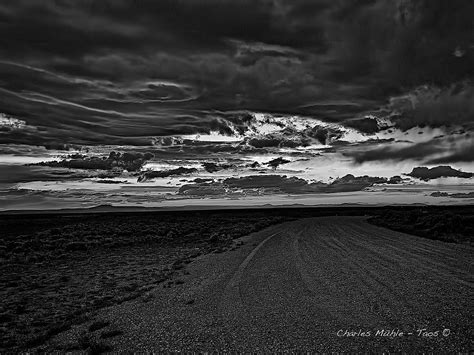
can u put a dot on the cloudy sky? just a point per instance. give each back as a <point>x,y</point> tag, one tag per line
<point>332,87</point>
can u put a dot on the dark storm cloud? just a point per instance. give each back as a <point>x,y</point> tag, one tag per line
<point>280,184</point>
<point>464,154</point>
<point>389,152</point>
<point>73,28</point>
<point>426,174</point>
<point>121,71</point>
<point>14,174</point>
<point>353,32</point>
<point>435,107</point>
<point>441,150</point>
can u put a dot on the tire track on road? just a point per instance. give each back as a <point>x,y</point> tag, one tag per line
<point>232,305</point>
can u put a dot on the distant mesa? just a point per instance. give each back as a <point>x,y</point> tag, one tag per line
<point>426,174</point>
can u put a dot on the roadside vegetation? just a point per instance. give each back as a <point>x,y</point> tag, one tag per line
<point>55,270</point>
<point>454,226</point>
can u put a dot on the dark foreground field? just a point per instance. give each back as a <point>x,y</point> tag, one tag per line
<point>163,280</point>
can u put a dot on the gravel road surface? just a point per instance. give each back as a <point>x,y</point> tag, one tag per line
<point>317,284</point>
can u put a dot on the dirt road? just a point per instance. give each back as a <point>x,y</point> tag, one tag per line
<point>319,284</point>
